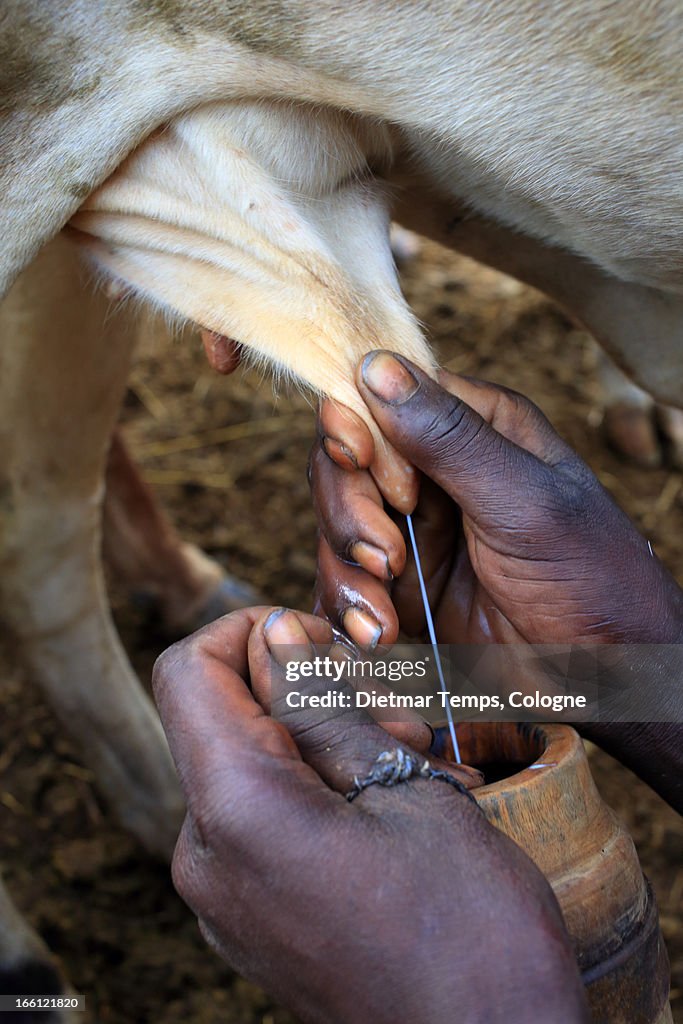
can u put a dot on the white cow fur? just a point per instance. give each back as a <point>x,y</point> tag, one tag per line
<point>560,122</point>
<point>263,222</point>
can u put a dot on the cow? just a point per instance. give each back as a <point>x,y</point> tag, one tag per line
<point>637,428</point>
<point>236,163</point>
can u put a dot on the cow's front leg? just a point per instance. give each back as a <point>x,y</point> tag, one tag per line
<point>149,557</point>
<point>62,374</point>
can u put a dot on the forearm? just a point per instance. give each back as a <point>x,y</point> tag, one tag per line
<point>653,750</point>
<point>652,744</point>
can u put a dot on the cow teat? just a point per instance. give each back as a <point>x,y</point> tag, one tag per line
<point>264,222</point>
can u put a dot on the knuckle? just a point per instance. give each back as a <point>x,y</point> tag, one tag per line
<point>572,499</point>
<point>522,409</point>
<point>167,665</point>
<point>517,400</point>
<point>186,868</point>
<point>514,408</point>
<point>449,437</point>
<point>442,427</point>
<point>174,666</point>
<point>340,533</point>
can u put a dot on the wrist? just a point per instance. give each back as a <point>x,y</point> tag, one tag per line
<point>652,750</point>
<point>649,740</point>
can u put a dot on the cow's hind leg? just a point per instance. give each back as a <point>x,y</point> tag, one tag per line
<point>27,968</point>
<point>646,433</point>
<point>146,553</point>
<point>63,364</point>
<point>628,415</point>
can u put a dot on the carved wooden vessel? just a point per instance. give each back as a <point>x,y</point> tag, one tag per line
<point>557,816</point>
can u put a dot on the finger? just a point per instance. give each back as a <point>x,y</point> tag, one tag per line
<point>406,726</point>
<point>395,476</point>
<point>225,748</point>
<point>354,600</point>
<point>348,441</point>
<point>344,436</point>
<point>485,473</point>
<point>224,354</point>
<point>420,738</point>
<point>351,516</point>
<point>340,742</point>
<point>412,729</point>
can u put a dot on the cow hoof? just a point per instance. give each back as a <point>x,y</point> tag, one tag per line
<point>230,595</point>
<point>631,431</point>
<point>30,976</point>
<point>176,616</point>
<point>671,426</point>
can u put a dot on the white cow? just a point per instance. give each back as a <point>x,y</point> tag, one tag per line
<point>237,163</point>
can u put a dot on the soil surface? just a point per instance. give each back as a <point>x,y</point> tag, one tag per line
<point>229,463</point>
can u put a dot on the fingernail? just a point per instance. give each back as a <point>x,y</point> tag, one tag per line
<point>387,378</point>
<point>341,652</point>
<point>340,454</point>
<point>283,632</point>
<point>272,618</point>
<point>343,640</point>
<point>371,558</point>
<point>362,627</point>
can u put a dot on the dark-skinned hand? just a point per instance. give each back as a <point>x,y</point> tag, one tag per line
<point>519,540</point>
<point>403,906</point>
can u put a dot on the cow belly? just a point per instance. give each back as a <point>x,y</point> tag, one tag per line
<point>627,220</point>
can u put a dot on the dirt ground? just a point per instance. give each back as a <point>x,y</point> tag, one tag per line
<point>229,464</point>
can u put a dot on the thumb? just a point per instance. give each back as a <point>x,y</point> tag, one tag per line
<point>485,472</point>
<point>339,741</point>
